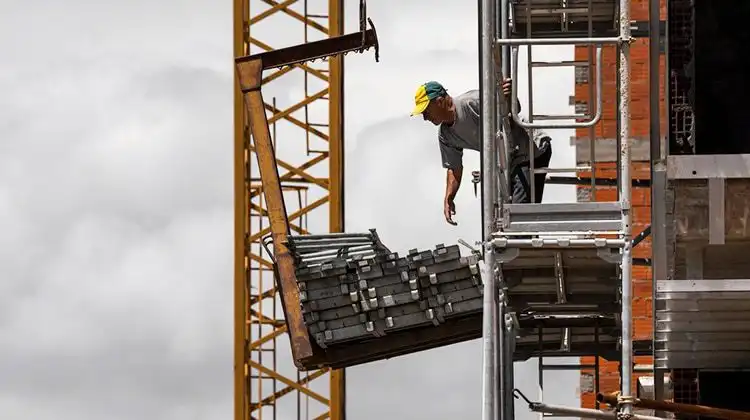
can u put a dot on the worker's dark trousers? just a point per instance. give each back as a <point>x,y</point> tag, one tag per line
<point>520,176</point>
<point>520,185</point>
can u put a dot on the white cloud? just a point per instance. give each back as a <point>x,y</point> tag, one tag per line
<point>115,193</point>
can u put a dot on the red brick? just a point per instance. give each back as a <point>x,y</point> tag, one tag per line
<point>641,197</point>
<point>639,109</point>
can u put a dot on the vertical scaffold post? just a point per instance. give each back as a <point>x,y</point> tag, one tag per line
<point>626,400</point>
<point>505,335</point>
<point>490,403</point>
<point>658,176</point>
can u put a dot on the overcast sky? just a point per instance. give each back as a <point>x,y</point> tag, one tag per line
<point>116,201</point>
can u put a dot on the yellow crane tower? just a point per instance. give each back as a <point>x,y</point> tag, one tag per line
<point>312,174</point>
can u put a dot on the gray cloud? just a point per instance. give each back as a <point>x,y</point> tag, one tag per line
<point>117,244</point>
<point>115,197</point>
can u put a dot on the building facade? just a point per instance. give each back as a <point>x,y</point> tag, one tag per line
<point>605,134</point>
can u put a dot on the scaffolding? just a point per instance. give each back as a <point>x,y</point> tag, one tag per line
<point>557,277</point>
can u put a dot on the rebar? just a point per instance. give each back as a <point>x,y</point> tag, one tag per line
<point>312,250</point>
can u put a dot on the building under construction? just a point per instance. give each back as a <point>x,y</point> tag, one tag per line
<point>643,279</point>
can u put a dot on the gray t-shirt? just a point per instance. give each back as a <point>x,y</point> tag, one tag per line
<point>463,133</point>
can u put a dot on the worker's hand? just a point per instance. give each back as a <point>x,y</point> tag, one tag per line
<point>507,86</point>
<point>449,209</point>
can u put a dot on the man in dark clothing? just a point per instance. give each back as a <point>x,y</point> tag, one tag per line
<point>459,121</point>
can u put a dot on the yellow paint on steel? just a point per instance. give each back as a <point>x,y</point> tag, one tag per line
<point>240,194</point>
<point>278,394</point>
<point>262,380</point>
<point>336,174</point>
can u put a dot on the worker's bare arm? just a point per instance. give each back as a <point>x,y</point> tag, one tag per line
<point>506,92</point>
<point>452,184</point>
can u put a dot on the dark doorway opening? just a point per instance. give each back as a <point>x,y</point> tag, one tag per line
<point>709,90</point>
<point>722,105</point>
<point>724,389</point>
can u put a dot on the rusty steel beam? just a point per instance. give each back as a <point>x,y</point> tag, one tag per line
<point>250,75</point>
<point>677,408</point>
<point>358,41</point>
<point>240,285</point>
<point>250,78</point>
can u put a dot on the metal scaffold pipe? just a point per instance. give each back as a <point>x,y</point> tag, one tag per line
<point>626,402</point>
<point>504,341</point>
<point>504,15</point>
<point>488,83</point>
<point>678,408</point>
<point>584,413</point>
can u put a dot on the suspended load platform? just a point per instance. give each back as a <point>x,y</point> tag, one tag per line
<point>361,302</point>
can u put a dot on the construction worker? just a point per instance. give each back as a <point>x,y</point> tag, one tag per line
<point>459,121</point>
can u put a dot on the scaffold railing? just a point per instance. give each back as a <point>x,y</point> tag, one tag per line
<point>557,276</point>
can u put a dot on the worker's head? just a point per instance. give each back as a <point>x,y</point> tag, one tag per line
<point>433,103</point>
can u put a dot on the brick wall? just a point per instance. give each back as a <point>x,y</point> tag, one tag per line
<point>639,99</point>
<point>641,200</point>
<point>642,296</point>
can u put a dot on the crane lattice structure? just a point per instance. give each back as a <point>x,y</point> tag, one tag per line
<point>309,157</point>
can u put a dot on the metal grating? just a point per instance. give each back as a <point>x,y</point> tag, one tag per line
<point>685,389</point>
<point>681,81</point>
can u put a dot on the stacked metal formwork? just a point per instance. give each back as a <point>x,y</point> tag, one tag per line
<point>353,289</point>
<point>557,277</point>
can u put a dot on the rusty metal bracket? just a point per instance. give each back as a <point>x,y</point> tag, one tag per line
<point>340,45</point>
<point>249,76</point>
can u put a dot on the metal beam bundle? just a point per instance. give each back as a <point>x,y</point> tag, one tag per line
<point>352,298</point>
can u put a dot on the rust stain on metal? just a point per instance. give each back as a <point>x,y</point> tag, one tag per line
<point>400,343</point>
<point>357,41</point>
<point>677,408</point>
<point>250,77</point>
<point>249,73</point>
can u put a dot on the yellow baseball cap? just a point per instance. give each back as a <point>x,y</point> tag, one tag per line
<point>425,93</point>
